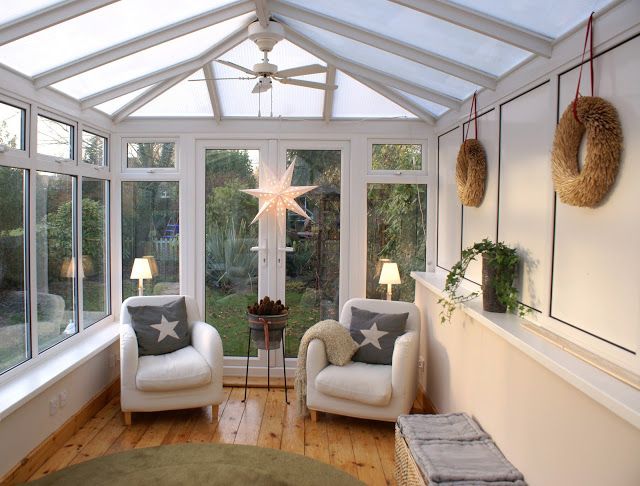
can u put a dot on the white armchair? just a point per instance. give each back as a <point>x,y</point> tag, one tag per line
<point>372,391</point>
<point>188,378</point>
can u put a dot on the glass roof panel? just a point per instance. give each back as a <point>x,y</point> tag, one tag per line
<point>148,61</point>
<point>353,99</point>
<point>98,30</point>
<point>14,9</point>
<point>187,98</point>
<point>386,62</point>
<point>423,31</point>
<point>288,100</point>
<point>433,108</point>
<point>547,17</point>
<point>111,106</point>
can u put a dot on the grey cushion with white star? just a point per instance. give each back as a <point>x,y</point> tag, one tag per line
<point>160,329</point>
<point>376,334</point>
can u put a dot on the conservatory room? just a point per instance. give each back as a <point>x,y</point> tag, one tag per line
<point>340,242</point>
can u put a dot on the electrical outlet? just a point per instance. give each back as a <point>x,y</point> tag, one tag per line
<point>63,398</point>
<point>53,406</point>
<point>421,363</point>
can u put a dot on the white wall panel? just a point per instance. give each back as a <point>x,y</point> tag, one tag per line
<point>596,263</point>
<point>481,222</point>
<point>526,190</point>
<point>449,212</point>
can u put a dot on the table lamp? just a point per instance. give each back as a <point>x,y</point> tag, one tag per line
<point>389,276</point>
<point>140,271</point>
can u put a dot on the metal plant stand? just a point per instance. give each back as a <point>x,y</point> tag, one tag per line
<point>284,362</point>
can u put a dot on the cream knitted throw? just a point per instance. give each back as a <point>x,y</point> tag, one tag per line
<point>339,348</point>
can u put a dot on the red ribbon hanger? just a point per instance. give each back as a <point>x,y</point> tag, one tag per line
<point>587,39</point>
<point>474,111</point>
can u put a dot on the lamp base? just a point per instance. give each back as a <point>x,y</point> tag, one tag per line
<point>140,288</point>
<point>388,291</point>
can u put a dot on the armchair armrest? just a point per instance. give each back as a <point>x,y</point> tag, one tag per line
<point>128,356</point>
<point>404,364</point>
<point>206,340</point>
<point>316,359</point>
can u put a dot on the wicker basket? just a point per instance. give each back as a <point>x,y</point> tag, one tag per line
<point>407,472</point>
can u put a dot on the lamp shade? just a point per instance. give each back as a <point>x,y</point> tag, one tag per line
<point>153,264</point>
<point>389,274</point>
<point>141,269</point>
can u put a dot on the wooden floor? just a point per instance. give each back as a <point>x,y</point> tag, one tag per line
<point>361,448</point>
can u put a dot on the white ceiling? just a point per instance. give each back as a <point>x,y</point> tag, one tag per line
<point>393,58</point>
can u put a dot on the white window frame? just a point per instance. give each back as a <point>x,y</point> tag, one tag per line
<point>165,171</point>
<point>82,127</point>
<point>396,141</point>
<point>22,153</point>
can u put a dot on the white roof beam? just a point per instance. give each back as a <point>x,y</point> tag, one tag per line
<point>421,113</point>
<point>262,11</point>
<point>388,44</point>
<point>146,97</point>
<point>484,24</point>
<point>327,111</point>
<point>369,73</point>
<point>47,17</point>
<point>142,42</point>
<point>188,66</point>
<point>213,91</point>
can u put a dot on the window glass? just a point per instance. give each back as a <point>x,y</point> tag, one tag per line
<point>12,124</point>
<point>396,232</point>
<point>55,138</point>
<point>313,266</point>
<point>94,149</point>
<point>231,276</point>
<point>143,155</point>
<point>55,258</point>
<point>396,156</point>
<point>95,247</point>
<point>151,228</point>
<point>14,319</point>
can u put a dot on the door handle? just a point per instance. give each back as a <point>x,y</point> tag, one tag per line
<point>286,249</point>
<point>257,248</point>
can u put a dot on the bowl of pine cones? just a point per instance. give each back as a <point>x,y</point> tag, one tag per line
<point>267,320</point>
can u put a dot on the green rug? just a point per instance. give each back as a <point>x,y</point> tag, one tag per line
<point>200,464</point>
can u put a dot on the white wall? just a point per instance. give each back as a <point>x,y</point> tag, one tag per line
<point>555,434</point>
<point>579,266</point>
<point>31,424</point>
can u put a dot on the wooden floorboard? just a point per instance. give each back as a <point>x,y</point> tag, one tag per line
<point>361,448</point>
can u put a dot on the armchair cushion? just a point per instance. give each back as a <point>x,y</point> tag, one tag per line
<point>376,333</point>
<point>360,382</point>
<point>160,329</point>
<point>185,368</point>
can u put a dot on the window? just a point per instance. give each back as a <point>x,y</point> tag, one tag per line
<point>95,250</point>
<point>396,157</point>
<point>231,268</point>
<point>396,231</point>
<point>94,149</point>
<point>12,126</point>
<point>55,138</point>
<point>14,313</point>
<point>151,155</point>
<point>55,258</point>
<point>150,228</point>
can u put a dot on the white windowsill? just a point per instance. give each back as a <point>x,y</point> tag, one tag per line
<point>20,388</point>
<point>617,396</point>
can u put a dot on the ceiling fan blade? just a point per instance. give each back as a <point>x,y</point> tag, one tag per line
<point>261,87</point>
<point>236,66</point>
<point>307,84</point>
<point>220,79</point>
<point>302,71</point>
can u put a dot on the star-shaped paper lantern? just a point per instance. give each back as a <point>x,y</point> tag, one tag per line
<point>280,195</point>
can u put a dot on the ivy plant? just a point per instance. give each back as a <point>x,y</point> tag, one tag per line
<point>504,261</point>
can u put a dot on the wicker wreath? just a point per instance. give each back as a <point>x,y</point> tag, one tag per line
<point>586,188</point>
<point>471,172</point>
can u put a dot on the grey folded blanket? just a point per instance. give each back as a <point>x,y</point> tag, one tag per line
<point>464,463</point>
<point>449,426</point>
<point>339,348</point>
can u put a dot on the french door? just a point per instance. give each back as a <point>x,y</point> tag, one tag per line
<point>293,259</point>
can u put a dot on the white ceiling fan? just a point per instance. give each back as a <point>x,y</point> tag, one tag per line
<point>265,72</point>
